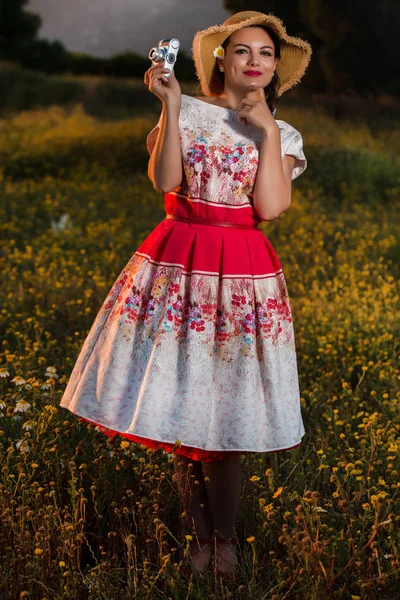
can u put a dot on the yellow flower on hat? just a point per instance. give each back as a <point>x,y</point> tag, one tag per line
<point>219,52</point>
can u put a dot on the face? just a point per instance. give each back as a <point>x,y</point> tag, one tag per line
<point>249,58</point>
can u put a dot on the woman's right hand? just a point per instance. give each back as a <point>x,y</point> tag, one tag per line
<point>165,88</point>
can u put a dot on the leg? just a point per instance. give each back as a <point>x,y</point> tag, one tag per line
<point>223,484</point>
<point>193,493</point>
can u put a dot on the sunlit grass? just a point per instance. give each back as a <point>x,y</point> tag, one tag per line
<point>84,516</point>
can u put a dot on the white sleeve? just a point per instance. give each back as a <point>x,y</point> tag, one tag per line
<point>151,138</point>
<point>295,148</point>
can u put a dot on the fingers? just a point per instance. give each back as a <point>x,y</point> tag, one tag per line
<point>246,105</point>
<point>248,102</point>
<point>155,72</point>
<point>261,95</point>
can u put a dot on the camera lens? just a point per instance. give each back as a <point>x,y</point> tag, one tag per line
<point>170,58</point>
<point>157,54</point>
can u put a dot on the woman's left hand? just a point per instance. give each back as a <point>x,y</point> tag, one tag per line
<point>254,109</point>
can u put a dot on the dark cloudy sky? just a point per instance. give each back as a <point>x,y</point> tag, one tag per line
<point>105,27</point>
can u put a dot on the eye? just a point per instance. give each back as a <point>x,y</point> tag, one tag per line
<point>263,51</point>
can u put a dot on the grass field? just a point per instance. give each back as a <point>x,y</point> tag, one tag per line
<point>87,517</point>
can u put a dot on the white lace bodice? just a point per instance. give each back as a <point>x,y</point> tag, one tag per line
<point>220,154</point>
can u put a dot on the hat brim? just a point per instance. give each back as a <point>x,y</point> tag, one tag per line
<point>294,60</point>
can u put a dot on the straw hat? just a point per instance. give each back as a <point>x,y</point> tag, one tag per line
<point>295,52</point>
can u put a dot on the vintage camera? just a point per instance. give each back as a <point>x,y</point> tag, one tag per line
<point>167,51</point>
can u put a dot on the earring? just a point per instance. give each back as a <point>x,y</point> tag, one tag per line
<point>221,69</point>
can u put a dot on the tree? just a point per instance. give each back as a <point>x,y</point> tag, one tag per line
<point>18,39</point>
<point>16,24</point>
<point>360,50</point>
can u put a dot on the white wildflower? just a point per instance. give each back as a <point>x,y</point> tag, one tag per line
<point>219,52</point>
<point>51,372</point>
<point>18,380</point>
<point>22,406</point>
<point>28,424</point>
<point>64,222</point>
<point>23,446</point>
<point>4,372</point>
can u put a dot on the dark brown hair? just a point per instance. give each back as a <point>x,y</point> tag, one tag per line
<point>271,90</point>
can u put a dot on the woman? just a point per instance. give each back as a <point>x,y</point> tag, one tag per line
<point>193,350</point>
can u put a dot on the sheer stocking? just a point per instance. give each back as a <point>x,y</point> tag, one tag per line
<point>223,483</point>
<point>195,501</point>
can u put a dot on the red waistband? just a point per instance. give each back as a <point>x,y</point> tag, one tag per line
<point>200,221</point>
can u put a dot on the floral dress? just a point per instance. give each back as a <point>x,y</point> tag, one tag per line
<point>193,348</point>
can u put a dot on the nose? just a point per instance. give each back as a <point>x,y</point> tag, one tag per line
<point>252,59</point>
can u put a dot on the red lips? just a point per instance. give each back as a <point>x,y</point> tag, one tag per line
<point>253,73</point>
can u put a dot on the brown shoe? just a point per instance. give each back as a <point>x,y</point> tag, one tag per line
<point>226,559</point>
<point>199,558</point>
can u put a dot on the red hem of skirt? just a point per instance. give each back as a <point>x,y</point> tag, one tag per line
<point>188,451</point>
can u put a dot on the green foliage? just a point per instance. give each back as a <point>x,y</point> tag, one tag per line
<point>129,64</point>
<point>342,173</point>
<point>100,96</point>
<point>41,55</point>
<point>26,89</point>
<point>85,64</point>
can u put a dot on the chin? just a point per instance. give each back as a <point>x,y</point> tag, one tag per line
<point>257,81</point>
